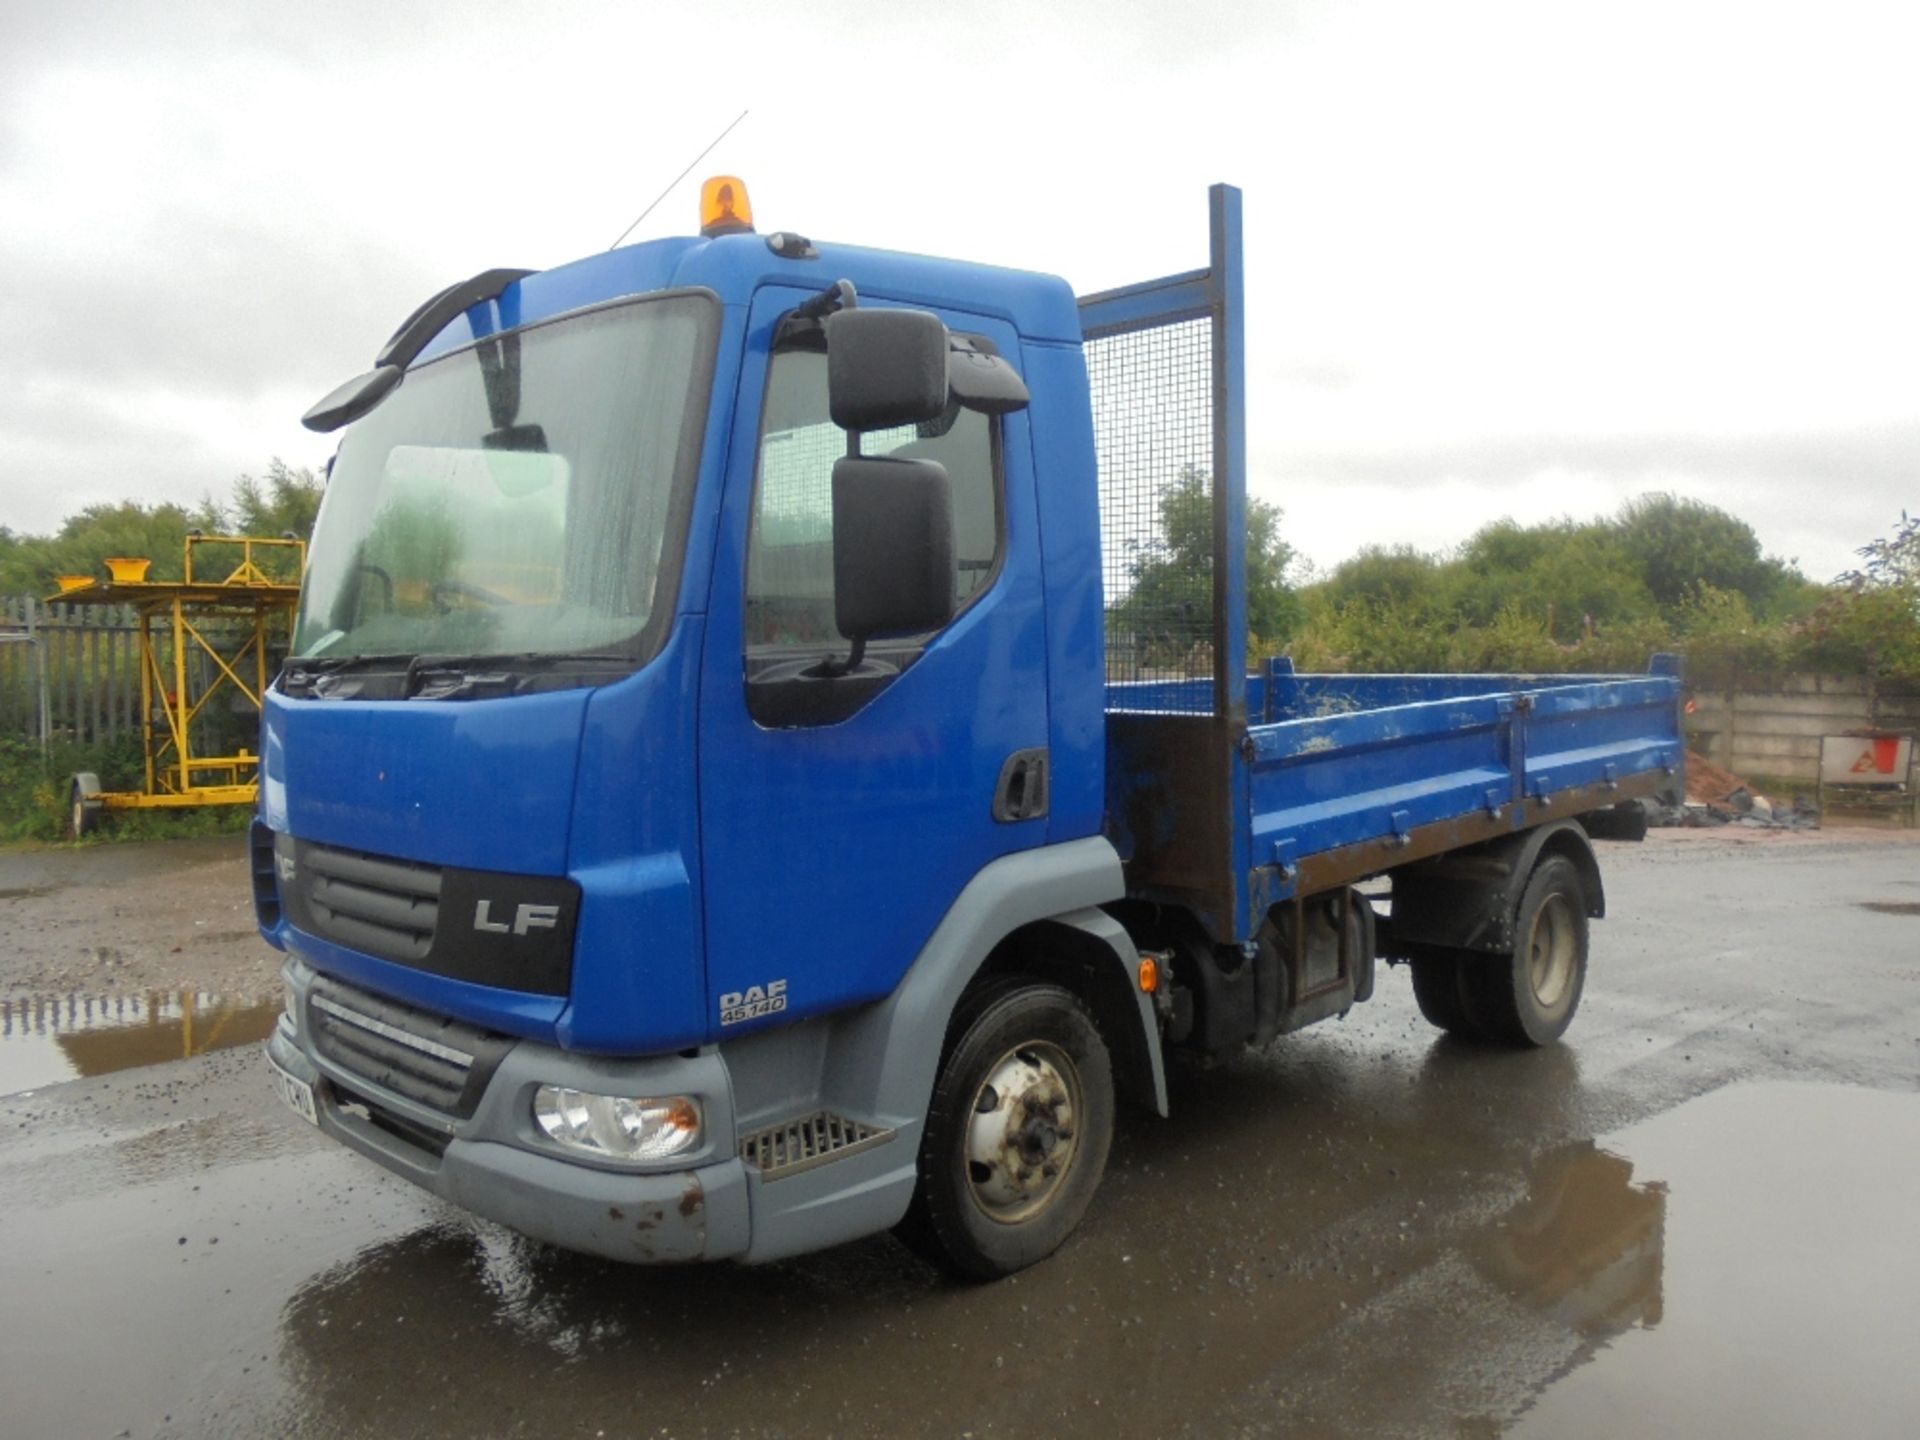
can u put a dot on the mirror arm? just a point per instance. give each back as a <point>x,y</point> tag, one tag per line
<point>831,669</point>
<point>403,347</point>
<point>808,318</point>
<point>347,403</point>
<point>838,296</point>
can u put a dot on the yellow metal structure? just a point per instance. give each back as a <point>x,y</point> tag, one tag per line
<point>230,620</point>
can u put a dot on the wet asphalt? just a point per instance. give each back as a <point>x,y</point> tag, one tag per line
<point>1699,1215</point>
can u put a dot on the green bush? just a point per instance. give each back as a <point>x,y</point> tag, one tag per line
<point>1605,595</point>
<point>34,798</point>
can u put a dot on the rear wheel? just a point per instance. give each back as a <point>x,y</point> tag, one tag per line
<point>1529,998</point>
<point>1017,1133</point>
<point>1437,980</point>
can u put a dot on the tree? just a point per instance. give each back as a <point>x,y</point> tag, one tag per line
<point>1169,605</point>
<point>1678,544</point>
<point>284,500</point>
<point>1568,576</point>
<point>1894,561</point>
<point>85,540</point>
<point>1401,576</point>
<point>1874,621</point>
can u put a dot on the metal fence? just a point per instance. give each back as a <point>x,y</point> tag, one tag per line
<point>68,671</point>
<point>72,672</point>
<point>1164,363</point>
<point>1153,433</point>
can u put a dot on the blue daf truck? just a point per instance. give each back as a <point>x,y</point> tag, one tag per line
<point>768,755</point>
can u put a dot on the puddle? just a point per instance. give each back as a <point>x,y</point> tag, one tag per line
<point>1348,1255</point>
<point>1791,1291</point>
<point>47,1039</point>
<point>1165,1320</point>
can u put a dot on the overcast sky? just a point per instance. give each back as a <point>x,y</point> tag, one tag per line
<point>1521,259</point>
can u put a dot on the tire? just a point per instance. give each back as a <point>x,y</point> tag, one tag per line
<point>83,808</point>
<point>1025,1086</point>
<point>1529,997</point>
<point>1437,979</point>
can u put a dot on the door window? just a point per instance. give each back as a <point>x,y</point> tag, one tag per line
<point>792,644</point>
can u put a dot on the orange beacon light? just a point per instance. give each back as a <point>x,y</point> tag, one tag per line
<point>724,207</point>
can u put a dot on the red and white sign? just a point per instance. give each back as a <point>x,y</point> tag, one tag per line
<point>1866,759</point>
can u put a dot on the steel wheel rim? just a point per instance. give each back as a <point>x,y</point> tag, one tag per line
<point>79,818</point>
<point>1551,949</point>
<point>1023,1132</point>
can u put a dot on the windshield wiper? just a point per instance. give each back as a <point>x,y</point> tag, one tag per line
<point>448,675</point>
<point>453,677</point>
<point>304,672</point>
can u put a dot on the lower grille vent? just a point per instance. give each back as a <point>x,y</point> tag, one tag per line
<point>441,1064</point>
<point>433,1142</point>
<point>796,1145</point>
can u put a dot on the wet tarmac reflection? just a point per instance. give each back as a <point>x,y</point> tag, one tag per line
<point>47,1039</point>
<point>1122,1334</point>
<point>1794,1272</point>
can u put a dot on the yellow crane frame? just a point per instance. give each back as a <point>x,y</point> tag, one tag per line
<point>249,600</point>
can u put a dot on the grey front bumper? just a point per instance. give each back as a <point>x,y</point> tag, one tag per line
<point>490,1163</point>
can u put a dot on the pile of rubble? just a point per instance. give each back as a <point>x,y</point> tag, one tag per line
<point>1720,797</point>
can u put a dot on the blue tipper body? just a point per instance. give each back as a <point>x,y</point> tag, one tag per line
<point>860,865</point>
<point>1334,764</point>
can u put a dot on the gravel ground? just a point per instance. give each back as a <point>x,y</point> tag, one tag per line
<point>134,917</point>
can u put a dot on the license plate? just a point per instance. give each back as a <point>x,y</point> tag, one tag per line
<point>297,1093</point>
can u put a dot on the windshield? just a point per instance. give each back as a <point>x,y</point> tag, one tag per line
<point>522,496</point>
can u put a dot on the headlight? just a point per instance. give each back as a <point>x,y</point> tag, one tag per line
<point>615,1127</point>
<point>290,1003</point>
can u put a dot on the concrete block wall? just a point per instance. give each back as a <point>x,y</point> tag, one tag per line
<point>1772,725</point>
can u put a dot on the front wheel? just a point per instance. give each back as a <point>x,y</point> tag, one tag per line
<point>1017,1134</point>
<point>1529,998</point>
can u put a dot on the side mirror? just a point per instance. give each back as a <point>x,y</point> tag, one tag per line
<point>885,368</point>
<point>346,403</point>
<point>893,565</point>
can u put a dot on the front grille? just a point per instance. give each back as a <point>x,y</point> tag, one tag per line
<point>381,907</point>
<point>512,932</point>
<point>796,1145</point>
<point>439,1063</point>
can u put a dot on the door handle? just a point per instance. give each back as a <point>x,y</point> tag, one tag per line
<point>1022,793</point>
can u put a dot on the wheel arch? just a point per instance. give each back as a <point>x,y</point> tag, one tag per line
<point>1567,838</point>
<point>878,1062</point>
<point>1089,954</point>
<point>1467,900</point>
<point>884,1057</point>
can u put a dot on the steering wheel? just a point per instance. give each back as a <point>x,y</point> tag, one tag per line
<point>441,593</point>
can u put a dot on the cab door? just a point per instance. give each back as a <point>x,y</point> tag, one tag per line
<point>841,817</point>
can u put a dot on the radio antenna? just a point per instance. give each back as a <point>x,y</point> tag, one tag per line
<point>676,180</point>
